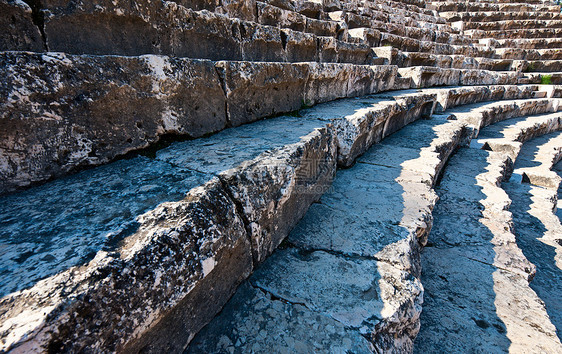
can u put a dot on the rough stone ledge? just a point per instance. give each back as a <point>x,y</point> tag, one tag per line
<point>80,107</point>
<point>399,323</point>
<point>221,226</point>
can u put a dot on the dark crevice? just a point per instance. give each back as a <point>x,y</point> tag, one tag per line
<point>277,297</point>
<point>284,40</point>
<point>38,18</point>
<point>286,244</point>
<point>240,211</point>
<point>223,86</point>
<point>495,266</point>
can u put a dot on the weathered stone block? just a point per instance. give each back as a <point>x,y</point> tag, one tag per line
<point>327,49</point>
<point>299,46</point>
<point>326,82</point>
<point>367,36</point>
<point>260,43</point>
<point>275,16</point>
<point>354,53</point>
<point>86,110</point>
<point>244,10</point>
<point>321,28</point>
<point>275,190</point>
<point>257,90</point>
<point>184,261</point>
<point>18,30</point>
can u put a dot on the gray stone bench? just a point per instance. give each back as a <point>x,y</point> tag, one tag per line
<point>225,226</point>
<point>351,244</point>
<point>474,269</point>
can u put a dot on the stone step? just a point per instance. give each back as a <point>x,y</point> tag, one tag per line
<point>473,250</point>
<point>478,6</point>
<point>256,192</point>
<point>409,29</point>
<point>514,34</point>
<point>537,228</point>
<point>426,76</point>
<point>528,54</point>
<point>534,165</point>
<point>479,116</point>
<point>493,16</point>
<point>224,38</point>
<point>548,78</point>
<point>351,262</point>
<point>157,99</point>
<point>349,232</point>
<point>538,43</point>
<point>221,229</point>
<point>462,62</point>
<point>171,29</point>
<point>77,103</point>
<point>387,14</point>
<point>513,25</point>
<point>394,7</point>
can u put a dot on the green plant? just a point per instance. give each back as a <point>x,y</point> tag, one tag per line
<point>546,79</point>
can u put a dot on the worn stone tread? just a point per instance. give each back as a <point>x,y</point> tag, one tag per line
<point>354,227</point>
<point>537,227</point>
<point>475,247</point>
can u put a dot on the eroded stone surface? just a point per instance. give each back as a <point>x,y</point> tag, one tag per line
<point>48,229</point>
<point>274,325</point>
<point>177,246</point>
<point>353,231</point>
<point>473,235</point>
<point>88,110</point>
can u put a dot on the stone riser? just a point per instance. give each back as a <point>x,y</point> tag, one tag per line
<point>512,25</point>
<point>203,99</point>
<point>525,43</point>
<point>172,29</point>
<point>514,34</point>
<point>489,7</point>
<point>281,276</point>
<point>500,16</point>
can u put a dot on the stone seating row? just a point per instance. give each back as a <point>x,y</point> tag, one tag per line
<point>136,291</point>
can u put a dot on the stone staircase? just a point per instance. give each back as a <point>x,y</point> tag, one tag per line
<point>476,268</point>
<point>146,205</point>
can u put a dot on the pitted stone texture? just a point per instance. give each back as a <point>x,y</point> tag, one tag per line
<point>230,147</point>
<point>253,321</point>
<point>48,229</point>
<point>375,298</point>
<point>275,190</point>
<point>346,233</point>
<point>18,30</point>
<point>256,90</point>
<point>474,299</point>
<point>327,81</point>
<point>456,96</point>
<point>481,115</point>
<point>365,121</point>
<point>88,110</point>
<point>184,255</point>
<point>150,27</point>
